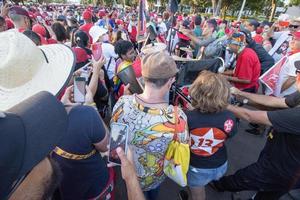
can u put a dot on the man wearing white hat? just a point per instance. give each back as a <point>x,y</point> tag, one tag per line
<point>99,34</point>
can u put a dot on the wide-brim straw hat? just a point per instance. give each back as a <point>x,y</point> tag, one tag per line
<point>26,69</point>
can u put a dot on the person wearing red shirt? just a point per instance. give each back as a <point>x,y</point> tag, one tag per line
<point>88,23</point>
<point>247,71</point>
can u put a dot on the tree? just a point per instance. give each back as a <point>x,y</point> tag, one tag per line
<point>295,2</point>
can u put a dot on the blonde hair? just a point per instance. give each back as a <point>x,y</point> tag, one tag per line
<point>210,92</point>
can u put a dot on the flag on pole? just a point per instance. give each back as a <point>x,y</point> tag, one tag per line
<point>270,78</point>
<point>142,18</point>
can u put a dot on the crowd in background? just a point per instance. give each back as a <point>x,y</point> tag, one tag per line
<point>261,68</point>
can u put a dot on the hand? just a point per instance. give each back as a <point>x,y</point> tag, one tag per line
<point>127,166</point>
<point>68,98</point>
<point>235,91</point>
<point>126,90</point>
<point>4,10</point>
<point>97,65</point>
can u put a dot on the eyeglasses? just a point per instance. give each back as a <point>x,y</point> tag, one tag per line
<point>293,26</point>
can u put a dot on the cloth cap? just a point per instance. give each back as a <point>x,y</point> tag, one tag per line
<point>158,65</point>
<point>297,35</point>
<point>39,29</point>
<point>18,11</point>
<point>87,15</point>
<point>237,39</point>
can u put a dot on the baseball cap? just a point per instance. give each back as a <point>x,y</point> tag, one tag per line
<point>158,65</point>
<point>39,29</point>
<point>254,23</point>
<point>97,31</point>
<point>237,39</point>
<point>61,18</point>
<point>29,132</point>
<point>87,15</point>
<point>17,10</point>
<point>296,35</point>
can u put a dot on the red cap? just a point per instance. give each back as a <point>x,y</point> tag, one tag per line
<point>182,36</point>
<point>39,29</point>
<point>101,13</point>
<point>18,11</point>
<point>87,15</point>
<point>9,24</point>
<point>180,18</point>
<point>297,35</point>
<point>119,22</point>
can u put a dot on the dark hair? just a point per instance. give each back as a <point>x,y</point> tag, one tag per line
<point>158,83</point>
<point>254,22</point>
<point>33,36</point>
<point>198,20</point>
<point>81,39</point>
<point>122,47</point>
<point>212,23</point>
<point>60,31</point>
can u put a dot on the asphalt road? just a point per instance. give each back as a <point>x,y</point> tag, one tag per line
<point>243,149</point>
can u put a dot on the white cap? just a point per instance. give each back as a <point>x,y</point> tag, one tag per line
<point>97,31</point>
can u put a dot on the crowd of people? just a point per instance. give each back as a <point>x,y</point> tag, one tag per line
<point>54,147</point>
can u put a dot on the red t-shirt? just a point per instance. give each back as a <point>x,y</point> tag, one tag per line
<point>247,68</point>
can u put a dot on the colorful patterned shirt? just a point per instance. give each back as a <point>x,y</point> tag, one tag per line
<point>150,132</point>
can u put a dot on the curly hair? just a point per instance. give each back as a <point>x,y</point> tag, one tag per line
<point>210,92</point>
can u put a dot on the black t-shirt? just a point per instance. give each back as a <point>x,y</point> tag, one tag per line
<point>293,99</point>
<point>208,132</point>
<point>82,179</point>
<point>281,154</point>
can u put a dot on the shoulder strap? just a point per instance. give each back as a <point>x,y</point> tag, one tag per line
<point>176,123</point>
<point>108,63</point>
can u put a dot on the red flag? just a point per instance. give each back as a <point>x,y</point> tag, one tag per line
<point>271,77</point>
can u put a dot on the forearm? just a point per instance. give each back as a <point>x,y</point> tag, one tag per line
<point>269,101</point>
<point>259,117</point>
<point>237,80</point>
<point>288,83</point>
<point>134,191</point>
<point>93,85</point>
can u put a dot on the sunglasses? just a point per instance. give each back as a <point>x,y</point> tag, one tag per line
<point>297,71</point>
<point>293,26</point>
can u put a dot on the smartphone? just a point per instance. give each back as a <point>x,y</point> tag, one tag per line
<point>118,138</point>
<point>79,89</point>
<point>97,50</point>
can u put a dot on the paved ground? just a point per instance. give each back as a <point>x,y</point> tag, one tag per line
<point>243,149</point>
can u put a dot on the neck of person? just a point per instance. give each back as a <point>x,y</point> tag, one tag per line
<point>152,97</point>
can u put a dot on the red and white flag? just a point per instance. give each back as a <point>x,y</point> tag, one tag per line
<point>270,78</point>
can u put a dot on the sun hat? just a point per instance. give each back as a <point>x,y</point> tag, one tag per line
<point>152,48</point>
<point>97,31</point>
<point>158,65</point>
<point>29,132</point>
<point>26,69</point>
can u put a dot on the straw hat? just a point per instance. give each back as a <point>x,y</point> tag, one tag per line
<point>26,69</point>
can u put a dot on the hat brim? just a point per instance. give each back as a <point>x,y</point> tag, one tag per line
<point>45,121</point>
<point>52,76</point>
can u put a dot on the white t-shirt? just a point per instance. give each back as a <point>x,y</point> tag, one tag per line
<point>288,69</point>
<point>109,52</point>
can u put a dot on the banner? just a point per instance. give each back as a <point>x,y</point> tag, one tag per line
<point>270,78</point>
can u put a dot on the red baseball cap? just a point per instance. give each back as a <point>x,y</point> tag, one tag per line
<point>39,29</point>
<point>101,13</point>
<point>119,22</point>
<point>9,24</point>
<point>297,35</point>
<point>18,11</point>
<point>87,15</point>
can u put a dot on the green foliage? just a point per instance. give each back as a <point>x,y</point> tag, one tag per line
<point>295,2</point>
